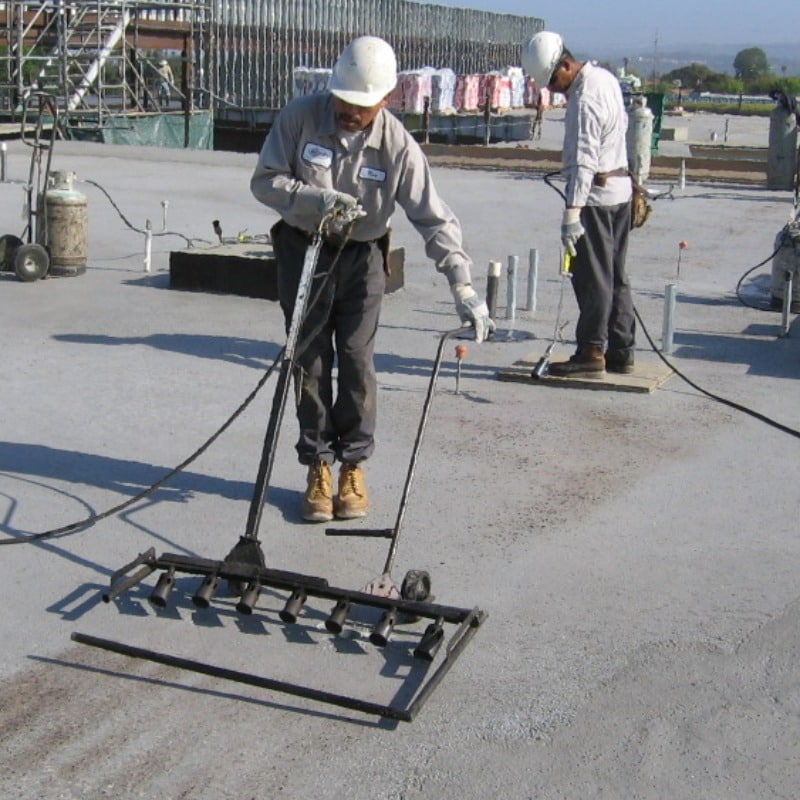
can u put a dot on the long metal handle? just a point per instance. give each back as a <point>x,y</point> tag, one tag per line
<point>415,450</point>
<point>282,389</point>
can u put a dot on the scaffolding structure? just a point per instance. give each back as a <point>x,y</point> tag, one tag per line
<point>99,58</point>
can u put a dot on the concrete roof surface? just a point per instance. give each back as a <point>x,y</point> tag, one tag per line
<point>637,554</point>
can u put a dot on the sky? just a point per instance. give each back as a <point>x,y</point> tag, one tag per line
<point>624,23</point>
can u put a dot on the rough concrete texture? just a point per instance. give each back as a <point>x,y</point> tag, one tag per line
<point>637,554</point>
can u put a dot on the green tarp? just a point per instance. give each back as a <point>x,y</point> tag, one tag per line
<point>195,131</point>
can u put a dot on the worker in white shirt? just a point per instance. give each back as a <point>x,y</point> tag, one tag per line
<point>165,82</point>
<point>597,219</point>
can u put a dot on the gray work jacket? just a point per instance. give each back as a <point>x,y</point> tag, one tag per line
<point>303,154</point>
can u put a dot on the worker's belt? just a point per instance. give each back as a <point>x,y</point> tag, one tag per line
<point>600,178</point>
<point>337,242</point>
<point>330,239</point>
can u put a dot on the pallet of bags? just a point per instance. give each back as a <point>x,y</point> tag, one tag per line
<point>467,94</point>
<point>531,97</point>
<point>413,86</point>
<point>517,80</point>
<point>309,80</point>
<point>443,87</point>
<point>495,88</point>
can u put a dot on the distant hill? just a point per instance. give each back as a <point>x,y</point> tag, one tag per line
<point>717,57</point>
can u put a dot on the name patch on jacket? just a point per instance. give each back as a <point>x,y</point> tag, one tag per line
<point>318,155</point>
<point>372,174</point>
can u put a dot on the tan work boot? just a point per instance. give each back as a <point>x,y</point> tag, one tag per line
<point>588,362</point>
<point>318,499</point>
<point>352,501</point>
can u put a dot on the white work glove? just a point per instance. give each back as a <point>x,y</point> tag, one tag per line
<point>470,308</point>
<point>571,229</point>
<point>340,212</point>
<point>336,203</point>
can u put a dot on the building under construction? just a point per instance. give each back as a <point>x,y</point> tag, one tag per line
<point>232,61</point>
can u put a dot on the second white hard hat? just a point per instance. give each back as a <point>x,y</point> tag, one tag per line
<point>540,56</point>
<point>365,72</point>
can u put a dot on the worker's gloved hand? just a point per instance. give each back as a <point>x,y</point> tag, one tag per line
<point>336,203</point>
<point>471,309</point>
<point>571,229</point>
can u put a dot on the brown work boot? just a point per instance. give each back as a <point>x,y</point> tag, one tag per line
<point>352,501</point>
<point>620,361</point>
<point>318,499</point>
<point>588,362</point>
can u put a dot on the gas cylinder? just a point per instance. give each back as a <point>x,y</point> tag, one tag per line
<point>639,139</point>
<point>67,224</point>
<point>787,260</point>
<point>782,153</point>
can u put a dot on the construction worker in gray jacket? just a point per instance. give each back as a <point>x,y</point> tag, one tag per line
<point>342,150</point>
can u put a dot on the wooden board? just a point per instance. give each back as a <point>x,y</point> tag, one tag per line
<point>647,376</point>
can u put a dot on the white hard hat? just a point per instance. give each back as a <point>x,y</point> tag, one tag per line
<point>365,72</point>
<point>162,63</point>
<point>540,56</point>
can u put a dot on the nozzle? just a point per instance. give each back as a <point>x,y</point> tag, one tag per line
<point>541,369</point>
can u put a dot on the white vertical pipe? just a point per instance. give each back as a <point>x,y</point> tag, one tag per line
<point>682,179</point>
<point>511,287</point>
<point>788,289</point>
<point>533,278</point>
<point>668,330</point>
<point>3,151</point>
<point>164,206</point>
<point>148,244</point>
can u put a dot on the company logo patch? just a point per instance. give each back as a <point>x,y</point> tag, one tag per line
<point>371,174</point>
<point>318,155</point>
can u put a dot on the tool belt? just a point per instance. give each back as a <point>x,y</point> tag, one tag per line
<point>640,208</point>
<point>600,178</point>
<point>336,242</point>
<point>333,240</point>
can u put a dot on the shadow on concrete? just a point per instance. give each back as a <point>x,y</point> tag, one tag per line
<point>777,357</point>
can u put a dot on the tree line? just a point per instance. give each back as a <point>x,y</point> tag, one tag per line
<point>752,74</point>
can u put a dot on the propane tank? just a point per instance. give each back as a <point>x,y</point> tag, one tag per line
<point>639,139</point>
<point>787,260</point>
<point>67,224</point>
<point>782,154</point>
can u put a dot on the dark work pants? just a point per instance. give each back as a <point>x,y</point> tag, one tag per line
<point>600,281</point>
<point>340,327</point>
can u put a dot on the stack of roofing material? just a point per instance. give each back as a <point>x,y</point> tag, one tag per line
<point>467,94</point>
<point>309,80</point>
<point>444,91</point>
<point>517,78</point>
<point>411,90</point>
<point>495,88</point>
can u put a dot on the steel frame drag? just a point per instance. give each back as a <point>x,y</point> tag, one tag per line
<point>301,588</point>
